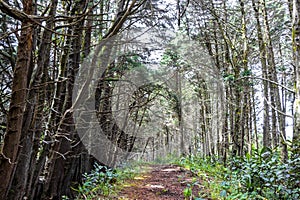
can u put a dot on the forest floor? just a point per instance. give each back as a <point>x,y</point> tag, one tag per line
<point>161,182</point>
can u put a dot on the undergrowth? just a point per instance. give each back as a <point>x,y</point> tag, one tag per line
<point>261,175</point>
<point>104,182</point>
<point>209,170</point>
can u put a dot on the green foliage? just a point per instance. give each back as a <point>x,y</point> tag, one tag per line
<point>99,182</point>
<point>187,192</point>
<point>247,72</point>
<point>198,165</point>
<point>170,58</point>
<point>104,182</point>
<point>174,59</point>
<point>229,78</point>
<point>133,61</point>
<point>262,176</point>
<point>127,62</point>
<point>208,169</point>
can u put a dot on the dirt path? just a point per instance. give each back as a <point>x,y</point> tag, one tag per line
<point>159,182</point>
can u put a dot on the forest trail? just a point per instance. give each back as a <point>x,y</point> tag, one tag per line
<point>161,182</point>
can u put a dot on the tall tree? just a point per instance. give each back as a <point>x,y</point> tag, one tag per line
<point>11,149</point>
<point>296,48</point>
<point>41,139</point>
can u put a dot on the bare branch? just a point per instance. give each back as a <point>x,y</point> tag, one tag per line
<point>273,82</point>
<point>17,14</point>
<point>280,112</point>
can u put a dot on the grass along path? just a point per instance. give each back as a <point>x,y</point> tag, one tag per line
<point>253,177</point>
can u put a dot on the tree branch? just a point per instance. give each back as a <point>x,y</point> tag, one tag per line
<point>273,82</point>
<point>280,112</point>
<point>17,14</point>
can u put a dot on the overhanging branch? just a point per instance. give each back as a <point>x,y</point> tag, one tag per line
<point>17,14</point>
<point>273,82</point>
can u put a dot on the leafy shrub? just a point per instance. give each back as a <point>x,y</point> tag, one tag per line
<point>262,175</point>
<point>99,182</point>
<point>104,182</point>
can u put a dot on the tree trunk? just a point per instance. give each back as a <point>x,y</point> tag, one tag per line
<point>263,56</point>
<point>296,47</point>
<point>246,90</point>
<point>11,148</point>
<point>33,120</point>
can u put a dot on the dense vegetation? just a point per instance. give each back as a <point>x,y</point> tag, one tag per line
<point>89,86</point>
<point>260,176</point>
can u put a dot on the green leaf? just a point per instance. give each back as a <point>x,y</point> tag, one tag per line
<point>223,193</point>
<point>187,192</point>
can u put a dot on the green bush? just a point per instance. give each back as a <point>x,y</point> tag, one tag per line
<point>105,182</point>
<point>99,182</point>
<point>262,176</point>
